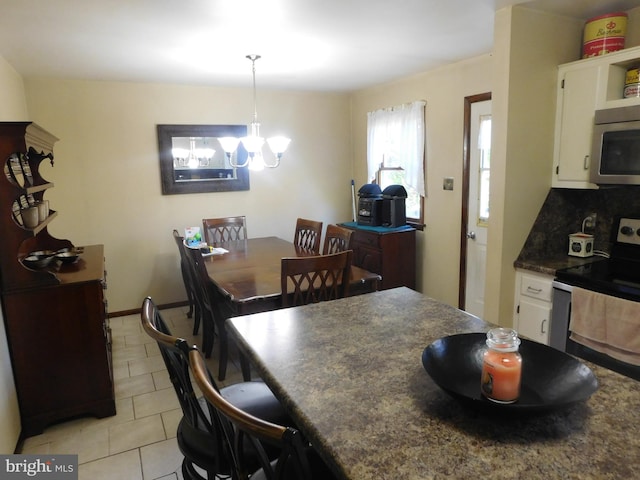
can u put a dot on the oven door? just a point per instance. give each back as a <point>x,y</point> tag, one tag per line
<point>560,332</point>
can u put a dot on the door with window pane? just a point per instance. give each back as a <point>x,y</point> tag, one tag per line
<point>478,206</point>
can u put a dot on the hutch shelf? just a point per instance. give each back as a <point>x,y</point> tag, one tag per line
<point>55,316</point>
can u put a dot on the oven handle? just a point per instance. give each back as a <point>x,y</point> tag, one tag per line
<point>562,286</point>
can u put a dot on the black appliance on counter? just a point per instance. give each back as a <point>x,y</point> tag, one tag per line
<point>370,205</point>
<point>617,276</point>
<point>394,211</point>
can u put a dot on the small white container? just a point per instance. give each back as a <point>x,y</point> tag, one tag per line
<point>30,217</point>
<point>580,245</point>
<point>43,211</point>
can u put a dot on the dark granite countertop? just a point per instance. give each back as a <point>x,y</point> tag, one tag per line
<point>549,265</point>
<point>350,373</point>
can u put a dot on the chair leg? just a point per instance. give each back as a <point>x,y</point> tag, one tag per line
<point>245,368</point>
<point>197,315</point>
<point>208,333</point>
<point>187,285</point>
<point>191,303</point>
<point>224,351</point>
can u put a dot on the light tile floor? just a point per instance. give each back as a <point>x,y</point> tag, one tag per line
<point>138,443</point>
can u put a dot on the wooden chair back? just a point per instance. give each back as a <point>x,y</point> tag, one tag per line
<point>205,299</point>
<point>315,279</point>
<point>244,430</point>
<point>336,239</point>
<point>307,235</point>
<point>223,230</point>
<point>188,281</point>
<point>197,427</point>
<point>214,312</point>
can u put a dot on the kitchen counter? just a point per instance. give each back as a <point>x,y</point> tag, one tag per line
<point>350,374</point>
<point>549,265</point>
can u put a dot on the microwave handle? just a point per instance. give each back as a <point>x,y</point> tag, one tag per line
<point>586,162</point>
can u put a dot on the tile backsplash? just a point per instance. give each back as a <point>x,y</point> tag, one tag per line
<point>564,210</point>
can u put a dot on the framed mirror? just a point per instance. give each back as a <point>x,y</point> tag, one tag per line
<point>193,161</point>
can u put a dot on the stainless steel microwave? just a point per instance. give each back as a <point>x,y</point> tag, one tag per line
<point>615,156</point>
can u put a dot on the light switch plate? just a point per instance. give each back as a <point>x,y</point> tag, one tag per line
<point>447,184</point>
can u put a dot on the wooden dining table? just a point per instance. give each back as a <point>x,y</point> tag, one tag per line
<point>248,274</point>
<point>349,373</point>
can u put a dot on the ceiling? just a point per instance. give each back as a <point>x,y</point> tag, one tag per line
<point>328,45</point>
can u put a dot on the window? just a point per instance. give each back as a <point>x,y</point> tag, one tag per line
<point>395,153</point>
<point>484,145</point>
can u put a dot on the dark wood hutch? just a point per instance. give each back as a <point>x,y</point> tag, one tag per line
<point>56,315</point>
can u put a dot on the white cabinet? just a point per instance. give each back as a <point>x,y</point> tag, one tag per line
<point>574,125</point>
<point>533,297</point>
<point>583,87</point>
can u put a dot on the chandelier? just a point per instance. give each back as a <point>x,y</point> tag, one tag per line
<point>253,142</point>
<point>193,157</point>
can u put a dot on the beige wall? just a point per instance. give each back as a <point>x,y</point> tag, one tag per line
<point>12,107</point>
<point>444,90</point>
<point>107,180</point>
<point>528,46</point>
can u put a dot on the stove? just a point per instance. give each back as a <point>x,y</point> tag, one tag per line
<point>617,276</point>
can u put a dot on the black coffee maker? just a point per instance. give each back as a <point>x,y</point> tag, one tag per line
<point>394,212</point>
<point>370,205</point>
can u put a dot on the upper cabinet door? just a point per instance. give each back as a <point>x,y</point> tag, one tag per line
<point>574,126</point>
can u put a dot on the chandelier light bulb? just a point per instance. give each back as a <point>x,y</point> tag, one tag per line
<point>256,162</point>
<point>278,145</point>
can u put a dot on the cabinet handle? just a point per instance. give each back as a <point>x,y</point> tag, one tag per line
<point>586,162</point>
<point>534,290</point>
<point>542,326</point>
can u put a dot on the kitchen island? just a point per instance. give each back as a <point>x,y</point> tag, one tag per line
<point>350,374</point>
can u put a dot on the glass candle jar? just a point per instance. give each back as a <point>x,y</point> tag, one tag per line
<point>501,366</point>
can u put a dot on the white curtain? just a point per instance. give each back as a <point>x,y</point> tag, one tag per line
<point>397,137</point>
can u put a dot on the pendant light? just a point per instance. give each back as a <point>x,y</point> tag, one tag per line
<point>253,142</point>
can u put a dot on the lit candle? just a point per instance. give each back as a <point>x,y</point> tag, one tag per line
<point>501,366</point>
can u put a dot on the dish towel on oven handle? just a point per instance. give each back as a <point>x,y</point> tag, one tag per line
<point>607,324</point>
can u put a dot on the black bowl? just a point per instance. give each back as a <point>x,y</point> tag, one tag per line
<point>551,379</point>
<point>36,262</point>
<point>42,254</point>
<point>67,257</point>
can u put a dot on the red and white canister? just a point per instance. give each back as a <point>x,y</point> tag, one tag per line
<point>604,34</point>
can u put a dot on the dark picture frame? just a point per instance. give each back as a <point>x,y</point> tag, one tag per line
<point>178,180</point>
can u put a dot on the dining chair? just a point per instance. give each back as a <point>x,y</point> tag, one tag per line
<point>188,281</point>
<point>222,230</point>
<point>212,315</point>
<point>336,239</point>
<point>307,235</point>
<point>297,460</point>
<point>199,436</point>
<point>315,279</point>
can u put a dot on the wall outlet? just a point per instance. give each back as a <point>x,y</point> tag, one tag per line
<point>447,183</point>
<point>590,221</point>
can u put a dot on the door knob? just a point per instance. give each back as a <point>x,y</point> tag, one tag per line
<point>471,235</point>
